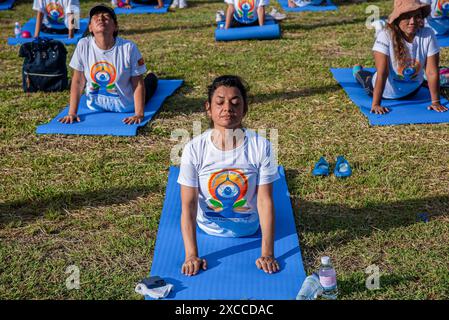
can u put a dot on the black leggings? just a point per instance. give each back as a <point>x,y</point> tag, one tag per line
<point>237,24</point>
<point>150,86</point>
<point>365,79</point>
<point>46,29</point>
<point>145,1</point>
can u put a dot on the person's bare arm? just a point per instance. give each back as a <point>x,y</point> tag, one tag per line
<point>76,90</point>
<point>37,29</point>
<point>229,13</point>
<point>70,18</point>
<point>160,4</point>
<point>265,207</point>
<point>261,15</point>
<point>139,101</point>
<point>291,4</point>
<point>433,80</point>
<point>192,262</point>
<point>381,61</point>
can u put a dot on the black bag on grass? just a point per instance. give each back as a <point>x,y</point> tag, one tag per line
<point>44,65</point>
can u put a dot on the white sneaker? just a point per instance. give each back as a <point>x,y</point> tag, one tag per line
<point>277,15</point>
<point>174,4</point>
<point>220,16</point>
<point>302,3</point>
<point>182,4</point>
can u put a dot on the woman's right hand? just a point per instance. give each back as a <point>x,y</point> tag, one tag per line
<point>379,110</point>
<point>192,265</point>
<point>69,119</point>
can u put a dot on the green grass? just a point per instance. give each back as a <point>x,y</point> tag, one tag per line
<point>95,201</point>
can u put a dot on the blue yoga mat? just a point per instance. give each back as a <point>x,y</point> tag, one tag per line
<point>231,273</point>
<point>7,5</point>
<point>137,8</point>
<point>31,25</point>
<point>270,30</point>
<point>329,6</point>
<point>109,123</point>
<point>443,40</point>
<point>402,111</point>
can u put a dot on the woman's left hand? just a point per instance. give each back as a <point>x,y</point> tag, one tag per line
<point>268,264</point>
<point>133,120</point>
<point>437,107</point>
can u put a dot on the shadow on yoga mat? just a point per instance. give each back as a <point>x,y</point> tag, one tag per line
<point>31,24</point>
<point>402,111</point>
<point>270,30</point>
<point>231,273</point>
<point>328,6</point>
<point>137,8</point>
<point>109,123</point>
<point>7,5</point>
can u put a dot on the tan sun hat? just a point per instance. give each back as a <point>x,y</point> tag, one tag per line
<point>404,6</point>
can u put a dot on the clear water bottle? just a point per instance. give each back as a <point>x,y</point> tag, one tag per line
<point>17,30</point>
<point>311,288</point>
<point>328,279</point>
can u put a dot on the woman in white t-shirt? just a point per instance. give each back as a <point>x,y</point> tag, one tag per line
<point>56,17</point>
<point>111,71</point>
<point>243,13</point>
<point>226,179</point>
<point>402,52</point>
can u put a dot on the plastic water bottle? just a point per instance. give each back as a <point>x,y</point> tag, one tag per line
<point>17,30</point>
<point>311,288</point>
<point>328,279</point>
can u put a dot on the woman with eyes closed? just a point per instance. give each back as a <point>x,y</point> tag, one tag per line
<point>226,179</point>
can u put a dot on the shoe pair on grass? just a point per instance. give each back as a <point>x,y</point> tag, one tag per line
<point>342,168</point>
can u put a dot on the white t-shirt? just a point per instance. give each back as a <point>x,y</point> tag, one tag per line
<point>55,12</point>
<point>108,73</point>
<point>227,182</point>
<point>246,10</point>
<point>403,80</point>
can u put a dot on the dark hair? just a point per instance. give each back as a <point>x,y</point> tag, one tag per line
<point>229,81</point>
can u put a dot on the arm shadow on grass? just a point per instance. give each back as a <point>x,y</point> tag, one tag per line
<point>358,222</point>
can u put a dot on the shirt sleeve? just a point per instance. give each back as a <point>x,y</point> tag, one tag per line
<point>38,6</point>
<point>69,7</point>
<point>76,62</point>
<point>138,66</point>
<point>268,171</point>
<point>188,173</point>
<point>382,43</point>
<point>229,1</point>
<point>433,47</point>
<point>263,3</point>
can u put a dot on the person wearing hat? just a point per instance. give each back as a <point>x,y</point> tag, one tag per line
<point>56,17</point>
<point>110,69</point>
<point>403,52</point>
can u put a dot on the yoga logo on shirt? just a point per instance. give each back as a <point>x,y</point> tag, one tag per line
<point>55,12</point>
<point>246,11</point>
<point>227,188</point>
<point>409,71</point>
<point>442,8</point>
<point>103,75</point>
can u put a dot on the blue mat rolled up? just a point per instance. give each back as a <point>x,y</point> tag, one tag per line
<point>31,25</point>
<point>7,5</point>
<point>270,30</point>
<point>329,6</point>
<point>232,272</point>
<point>109,123</point>
<point>412,110</point>
<point>137,8</point>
